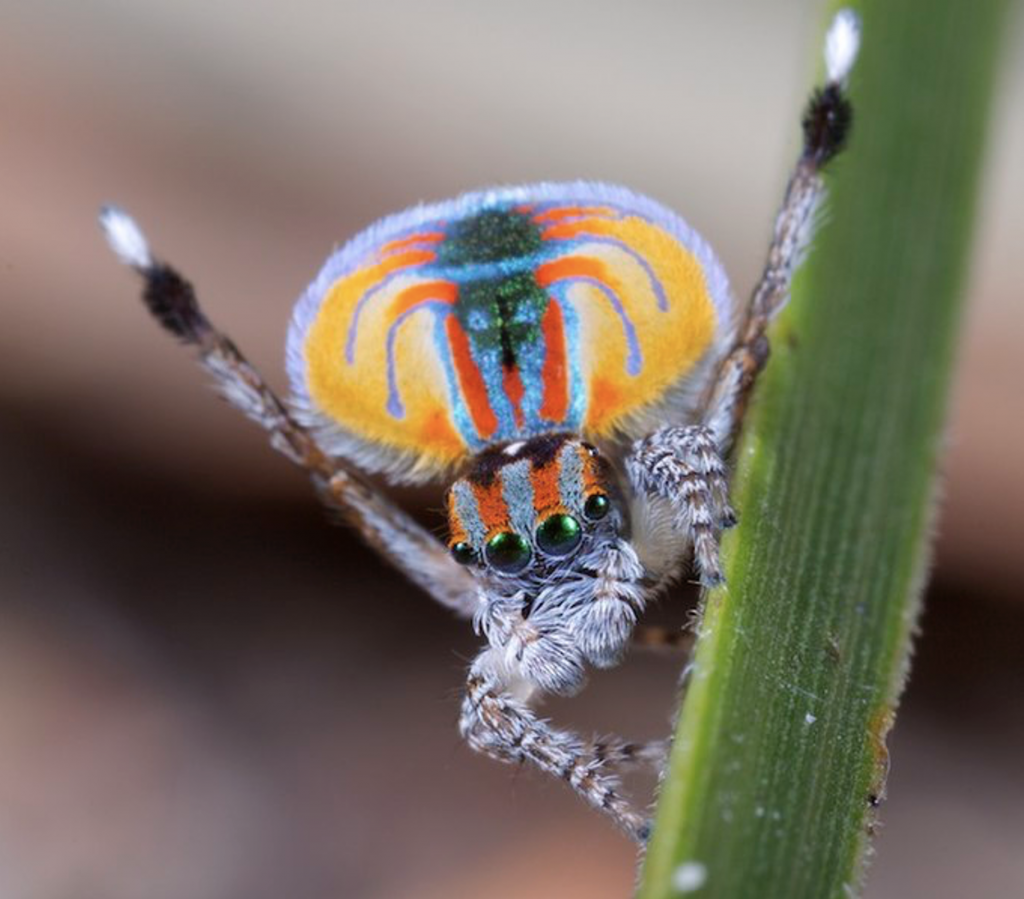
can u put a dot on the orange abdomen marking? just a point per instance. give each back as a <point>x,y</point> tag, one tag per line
<point>474,390</point>
<point>555,374</point>
<point>500,316</point>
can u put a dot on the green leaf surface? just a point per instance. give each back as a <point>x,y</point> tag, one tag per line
<point>779,756</point>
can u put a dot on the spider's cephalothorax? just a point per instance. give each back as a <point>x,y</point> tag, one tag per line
<point>574,354</point>
<point>528,509</point>
<point>539,521</point>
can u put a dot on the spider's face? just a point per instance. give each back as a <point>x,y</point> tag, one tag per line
<point>530,509</point>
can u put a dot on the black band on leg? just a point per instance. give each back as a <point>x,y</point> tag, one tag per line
<point>172,301</point>
<point>826,124</point>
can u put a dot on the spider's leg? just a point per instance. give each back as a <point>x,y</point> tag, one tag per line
<point>623,755</point>
<point>826,126</point>
<point>587,616</point>
<point>497,723</point>
<point>397,537</point>
<point>683,467</point>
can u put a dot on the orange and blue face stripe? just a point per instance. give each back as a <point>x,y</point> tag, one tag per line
<point>514,492</point>
<point>503,315</point>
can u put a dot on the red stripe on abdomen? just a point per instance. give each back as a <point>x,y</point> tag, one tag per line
<point>512,384</point>
<point>553,375</point>
<point>474,390</point>
<point>425,237</point>
<point>436,291</point>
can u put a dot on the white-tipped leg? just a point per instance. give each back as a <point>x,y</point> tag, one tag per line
<point>826,125</point>
<point>842,44</point>
<point>125,237</point>
<point>172,301</point>
<point>683,465</point>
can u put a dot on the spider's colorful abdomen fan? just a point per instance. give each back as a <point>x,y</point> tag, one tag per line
<point>502,315</point>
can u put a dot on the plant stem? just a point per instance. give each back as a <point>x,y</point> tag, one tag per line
<point>779,758</point>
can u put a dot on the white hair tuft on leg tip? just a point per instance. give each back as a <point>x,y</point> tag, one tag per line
<point>125,237</point>
<point>841,45</point>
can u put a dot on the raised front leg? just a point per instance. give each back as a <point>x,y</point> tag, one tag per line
<point>682,466</point>
<point>410,548</point>
<point>826,126</point>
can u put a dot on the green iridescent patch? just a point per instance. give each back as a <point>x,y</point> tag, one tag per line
<point>502,313</point>
<point>494,235</point>
<point>498,311</point>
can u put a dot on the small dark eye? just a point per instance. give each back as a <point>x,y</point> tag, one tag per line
<point>463,553</point>
<point>508,552</point>
<point>559,535</point>
<point>596,506</point>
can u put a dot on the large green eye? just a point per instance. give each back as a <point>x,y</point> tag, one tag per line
<point>463,553</point>
<point>559,534</point>
<point>596,506</point>
<point>508,552</point>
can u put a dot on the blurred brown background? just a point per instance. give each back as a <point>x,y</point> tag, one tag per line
<point>205,691</point>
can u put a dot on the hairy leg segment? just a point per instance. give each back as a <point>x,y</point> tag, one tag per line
<point>391,532</point>
<point>685,463</point>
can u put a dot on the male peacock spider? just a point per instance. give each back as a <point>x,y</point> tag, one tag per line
<point>582,367</point>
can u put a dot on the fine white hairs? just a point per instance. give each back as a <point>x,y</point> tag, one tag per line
<point>841,45</point>
<point>125,237</point>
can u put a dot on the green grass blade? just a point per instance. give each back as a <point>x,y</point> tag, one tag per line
<point>780,746</point>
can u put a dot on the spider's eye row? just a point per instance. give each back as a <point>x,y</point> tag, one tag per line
<point>463,553</point>
<point>508,552</point>
<point>559,535</point>
<point>596,506</point>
